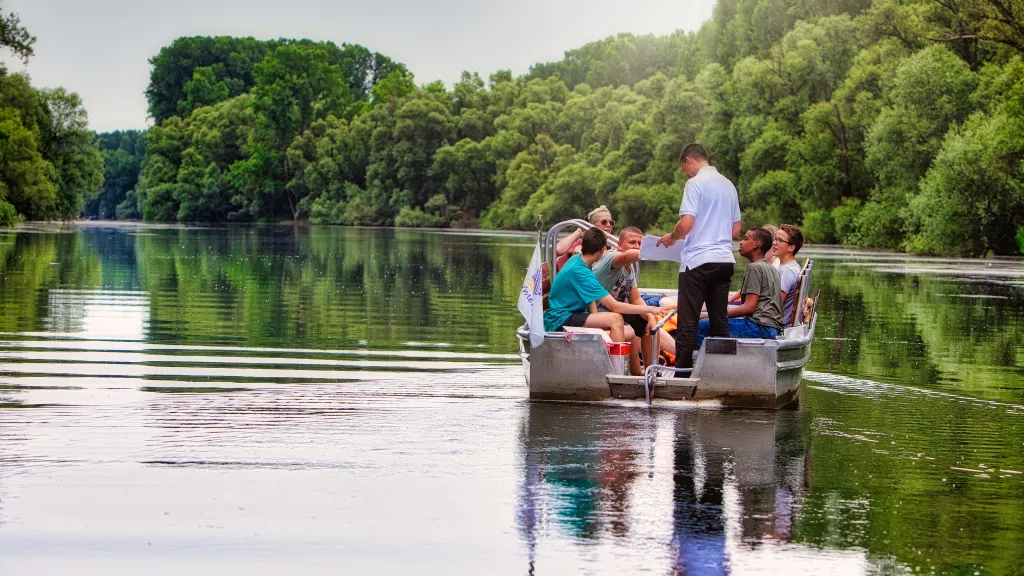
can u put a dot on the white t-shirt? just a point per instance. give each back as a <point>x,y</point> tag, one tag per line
<point>712,201</point>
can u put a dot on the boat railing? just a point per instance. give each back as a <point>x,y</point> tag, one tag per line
<point>655,333</point>
<point>551,242</point>
<point>651,374</point>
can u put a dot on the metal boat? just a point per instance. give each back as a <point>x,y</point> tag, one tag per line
<point>743,372</point>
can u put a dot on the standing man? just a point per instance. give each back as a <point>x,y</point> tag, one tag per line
<point>709,220</point>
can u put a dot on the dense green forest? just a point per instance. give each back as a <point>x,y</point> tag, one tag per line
<point>884,123</point>
<point>49,162</point>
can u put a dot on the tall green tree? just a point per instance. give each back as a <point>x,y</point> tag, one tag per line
<point>70,146</point>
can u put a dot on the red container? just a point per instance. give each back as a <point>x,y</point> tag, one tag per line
<point>619,348</point>
<point>619,354</point>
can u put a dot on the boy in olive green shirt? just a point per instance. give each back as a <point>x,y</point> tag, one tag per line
<point>760,313</point>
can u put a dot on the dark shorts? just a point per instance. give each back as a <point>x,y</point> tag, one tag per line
<point>638,322</point>
<point>576,320</point>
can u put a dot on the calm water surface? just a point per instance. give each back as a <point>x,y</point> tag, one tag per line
<point>220,400</point>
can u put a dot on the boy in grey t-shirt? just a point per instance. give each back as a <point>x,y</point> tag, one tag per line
<point>788,241</point>
<point>614,271</point>
<point>760,313</point>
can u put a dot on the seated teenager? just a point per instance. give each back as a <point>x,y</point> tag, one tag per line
<point>788,241</point>
<point>760,313</point>
<point>614,271</point>
<point>566,247</point>
<point>770,257</point>
<point>575,289</point>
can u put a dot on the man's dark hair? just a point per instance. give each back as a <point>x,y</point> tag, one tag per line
<point>764,237</point>
<point>695,151</point>
<point>796,237</point>
<point>593,240</point>
<point>630,230</point>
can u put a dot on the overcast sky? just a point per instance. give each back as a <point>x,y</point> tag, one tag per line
<point>100,48</point>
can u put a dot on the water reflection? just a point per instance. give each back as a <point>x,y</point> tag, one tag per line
<point>684,492</point>
<point>96,314</point>
<point>195,356</point>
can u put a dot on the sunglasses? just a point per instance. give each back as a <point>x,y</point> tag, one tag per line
<point>606,222</point>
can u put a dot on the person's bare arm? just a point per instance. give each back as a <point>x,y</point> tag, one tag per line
<point>565,244</point>
<point>623,308</point>
<point>634,297</point>
<point>625,258</point>
<point>745,309</point>
<point>592,307</point>
<point>736,230</point>
<point>682,228</point>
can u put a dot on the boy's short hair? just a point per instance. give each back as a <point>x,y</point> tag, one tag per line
<point>796,237</point>
<point>593,241</point>
<point>630,230</point>
<point>764,237</point>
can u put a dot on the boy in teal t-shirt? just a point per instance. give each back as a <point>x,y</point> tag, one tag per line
<point>575,288</point>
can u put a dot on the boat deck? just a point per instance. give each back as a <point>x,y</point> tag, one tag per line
<point>632,387</point>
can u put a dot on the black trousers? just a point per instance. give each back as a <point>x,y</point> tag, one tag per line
<point>705,284</point>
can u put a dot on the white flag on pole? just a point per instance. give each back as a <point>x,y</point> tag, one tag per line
<point>531,299</point>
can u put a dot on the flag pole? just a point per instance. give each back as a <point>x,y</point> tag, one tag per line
<point>540,231</point>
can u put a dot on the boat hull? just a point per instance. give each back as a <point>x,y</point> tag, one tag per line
<point>750,373</point>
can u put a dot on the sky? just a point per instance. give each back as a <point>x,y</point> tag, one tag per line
<point>100,48</point>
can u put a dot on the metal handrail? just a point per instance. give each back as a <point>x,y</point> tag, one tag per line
<point>661,323</point>
<point>551,242</point>
<point>650,376</point>
<point>656,334</point>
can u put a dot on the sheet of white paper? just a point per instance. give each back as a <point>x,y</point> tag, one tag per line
<point>649,250</point>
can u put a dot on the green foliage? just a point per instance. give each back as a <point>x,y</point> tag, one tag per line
<point>774,194</point>
<point>202,90</point>
<point>49,162</point>
<point>972,199</point>
<point>122,153</point>
<point>844,220</point>
<point>26,178</point>
<point>396,85</point>
<point>416,218</point>
<point>199,71</point>
<point>819,227</point>
<point>930,92</point>
<point>8,215</point>
<point>70,146</point>
<point>830,114</point>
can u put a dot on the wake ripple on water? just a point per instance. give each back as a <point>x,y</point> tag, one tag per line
<point>946,435</point>
<point>880,390</point>
<point>37,372</point>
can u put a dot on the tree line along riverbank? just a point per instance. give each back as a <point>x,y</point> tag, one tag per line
<point>884,123</point>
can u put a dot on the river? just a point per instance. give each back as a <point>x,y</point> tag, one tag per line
<point>325,400</point>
